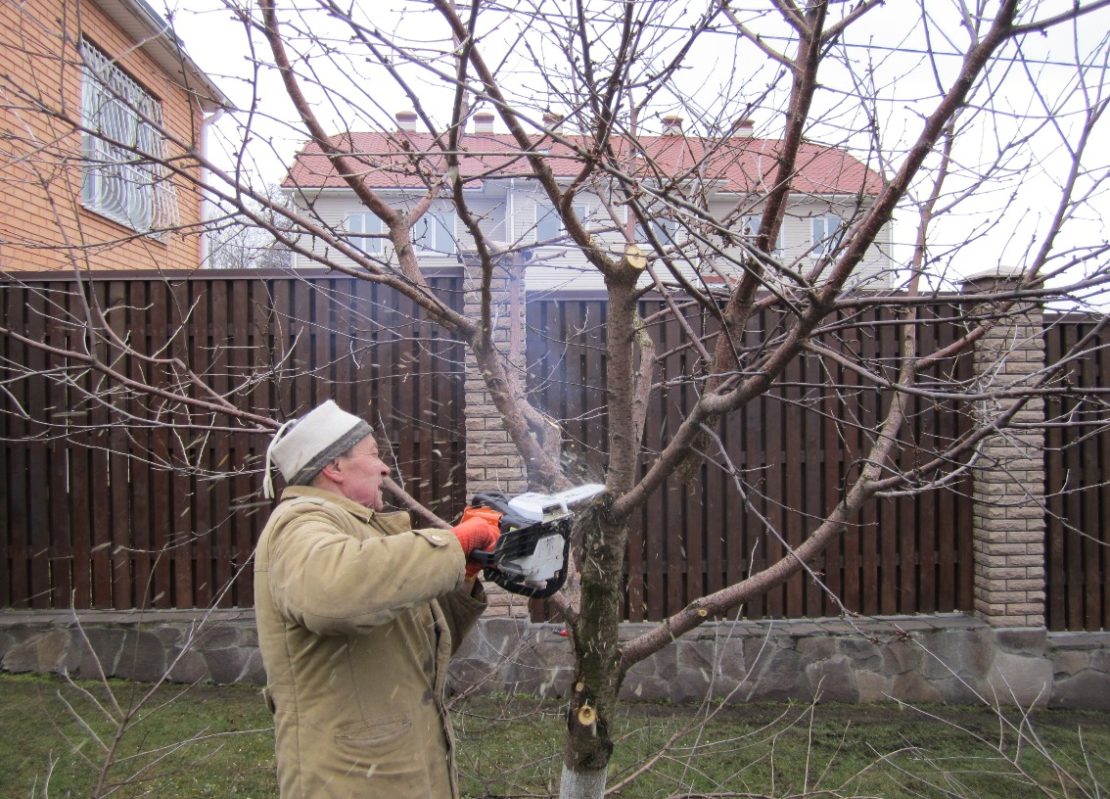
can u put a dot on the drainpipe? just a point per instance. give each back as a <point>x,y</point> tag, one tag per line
<point>206,122</point>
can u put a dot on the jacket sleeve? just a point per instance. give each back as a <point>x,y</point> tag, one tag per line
<point>461,608</point>
<point>334,584</point>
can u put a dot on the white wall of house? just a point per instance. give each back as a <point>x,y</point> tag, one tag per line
<point>516,215</point>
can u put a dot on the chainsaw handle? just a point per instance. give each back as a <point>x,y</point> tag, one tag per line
<point>481,557</point>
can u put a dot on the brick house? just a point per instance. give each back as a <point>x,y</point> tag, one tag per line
<point>94,95</point>
<point>725,176</point>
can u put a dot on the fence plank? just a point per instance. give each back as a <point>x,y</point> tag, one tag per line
<point>161,479</point>
<point>16,474</point>
<point>38,516</point>
<point>1102,486</point>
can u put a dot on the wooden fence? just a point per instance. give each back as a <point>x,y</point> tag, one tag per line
<point>793,450</point>
<point>101,522</point>
<point>1077,478</point>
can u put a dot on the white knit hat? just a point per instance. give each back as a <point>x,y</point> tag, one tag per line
<point>313,441</point>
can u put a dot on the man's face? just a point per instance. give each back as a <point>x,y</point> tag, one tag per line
<point>363,472</point>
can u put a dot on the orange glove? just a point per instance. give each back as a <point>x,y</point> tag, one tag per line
<point>476,532</point>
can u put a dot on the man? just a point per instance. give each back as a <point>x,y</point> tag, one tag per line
<point>358,615</point>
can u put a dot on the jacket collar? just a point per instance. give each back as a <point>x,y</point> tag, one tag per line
<point>361,512</point>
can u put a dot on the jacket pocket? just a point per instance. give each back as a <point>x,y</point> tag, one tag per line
<point>380,737</point>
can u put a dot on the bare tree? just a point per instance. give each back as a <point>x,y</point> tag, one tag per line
<point>945,110</point>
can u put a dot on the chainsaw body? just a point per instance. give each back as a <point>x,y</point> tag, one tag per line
<point>531,555</point>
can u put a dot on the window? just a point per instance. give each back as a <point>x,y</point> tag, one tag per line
<point>750,229</point>
<point>124,179</point>
<point>364,231</point>
<point>827,232</point>
<point>549,225</point>
<point>663,228</point>
<point>435,232</point>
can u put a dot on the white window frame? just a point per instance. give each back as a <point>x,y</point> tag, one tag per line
<point>124,176</point>
<point>549,227</point>
<point>435,232</point>
<point>826,231</point>
<point>364,232</point>
<point>750,230</point>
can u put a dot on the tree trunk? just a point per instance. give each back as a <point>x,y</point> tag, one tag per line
<point>598,673</point>
<point>581,784</point>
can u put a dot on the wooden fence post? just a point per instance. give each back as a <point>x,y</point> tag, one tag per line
<point>492,460</point>
<point>1009,478</point>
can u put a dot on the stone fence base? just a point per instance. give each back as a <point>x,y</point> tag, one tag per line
<point>949,658</point>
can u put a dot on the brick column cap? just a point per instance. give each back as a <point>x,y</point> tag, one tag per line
<point>1000,273</point>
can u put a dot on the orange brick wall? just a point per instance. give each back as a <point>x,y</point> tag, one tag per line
<point>42,222</point>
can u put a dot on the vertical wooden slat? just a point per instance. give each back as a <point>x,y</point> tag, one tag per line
<point>850,434</point>
<point>38,515</point>
<point>655,508</point>
<point>832,441</point>
<point>78,467</point>
<point>161,481</point>
<point>1074,507</point>
<point>139,488</point>
<point>945,520</point>
<point>216,494</point>
<point>694,498</point>
<point>210,565</point>
<point>775,514</point>
<point>751,542</point>
<point>878,526</point>
<point>237,521</point>
<point>1091,522</point>
<point>1102,486</point>
<point>674,533</point>
<point>794,475</point>
<point>813,458</point>
<point>183,521</point>
<point>100,476</point>
<point>926,521</point>
<point>16,474</point>
<point>118,494</point>
<point>61,542</point>
<point>7,500</point>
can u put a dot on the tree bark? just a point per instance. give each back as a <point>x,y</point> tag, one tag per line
<point>598,672</point>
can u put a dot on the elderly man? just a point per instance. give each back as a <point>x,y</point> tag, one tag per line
<point>358,615</point>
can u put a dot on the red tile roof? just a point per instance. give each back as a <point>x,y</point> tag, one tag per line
<point>740,164</point>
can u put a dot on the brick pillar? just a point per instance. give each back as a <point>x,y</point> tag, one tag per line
<point>1009,479</point>
<point>492,460</point>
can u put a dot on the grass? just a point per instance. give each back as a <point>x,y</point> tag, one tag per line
<point>217,741</point>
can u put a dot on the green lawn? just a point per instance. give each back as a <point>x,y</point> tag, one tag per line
<point>216,741</point>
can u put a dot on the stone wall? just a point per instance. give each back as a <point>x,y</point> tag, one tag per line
<point>948,658</point>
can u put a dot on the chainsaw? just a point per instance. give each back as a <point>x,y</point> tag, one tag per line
<point>530,557</point>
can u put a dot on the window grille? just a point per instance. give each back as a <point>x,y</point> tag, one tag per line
<point>124,175</point>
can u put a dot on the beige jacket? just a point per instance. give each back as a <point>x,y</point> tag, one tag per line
<point>358,615</point>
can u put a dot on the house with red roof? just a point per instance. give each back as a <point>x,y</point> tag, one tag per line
<point>699,195</point>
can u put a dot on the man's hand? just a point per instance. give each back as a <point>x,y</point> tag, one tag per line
<point>476,533</point>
